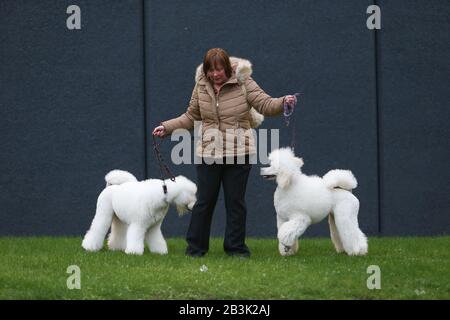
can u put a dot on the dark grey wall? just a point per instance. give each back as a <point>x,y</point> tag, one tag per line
<point>76,104</point>
<point>71,109</point>
<point>414,95</point>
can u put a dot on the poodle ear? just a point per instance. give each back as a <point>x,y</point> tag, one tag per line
<point>299,162</point>
<point>283,179</point>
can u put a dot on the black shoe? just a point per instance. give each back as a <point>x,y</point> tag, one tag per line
<point>195,254</point>
<point>243,255</point>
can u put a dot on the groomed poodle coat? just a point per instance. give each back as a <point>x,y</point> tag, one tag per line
<point>135,210</point>
<point>302,200</point>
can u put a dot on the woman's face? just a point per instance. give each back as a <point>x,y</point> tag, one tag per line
<point>217,74</point>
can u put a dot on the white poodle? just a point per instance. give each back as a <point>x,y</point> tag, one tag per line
<point>135,210</point>
<point>302,200</point>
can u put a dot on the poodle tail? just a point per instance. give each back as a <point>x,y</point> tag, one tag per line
<point>118,177</point>
<point>343,179</point>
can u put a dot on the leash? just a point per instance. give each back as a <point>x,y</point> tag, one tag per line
<point>288,113</point>
<point>162,166</point>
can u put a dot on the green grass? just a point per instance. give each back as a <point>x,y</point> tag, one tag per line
<point>411,268</point>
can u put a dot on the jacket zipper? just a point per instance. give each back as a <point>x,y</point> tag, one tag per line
<point>217,109</point>
<point>236,126</point>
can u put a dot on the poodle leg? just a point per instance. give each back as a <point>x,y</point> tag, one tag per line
<point>346,217</point>
<point>280,221</point>
<point>135,239</point>
<point>93,240</point>
<point>285,250</point>
<point>117,239</point>
<point>290,231</point>
<point>155,240</point>
<point>335,234</point>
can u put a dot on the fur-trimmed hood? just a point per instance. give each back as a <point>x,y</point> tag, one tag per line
<point>242,69</point>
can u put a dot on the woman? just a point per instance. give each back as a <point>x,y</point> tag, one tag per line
<point>222,100</point>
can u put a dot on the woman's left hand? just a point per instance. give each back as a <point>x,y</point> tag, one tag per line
<point>290,100</point>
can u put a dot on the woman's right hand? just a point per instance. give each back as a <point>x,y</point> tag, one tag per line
<point>159,131</point>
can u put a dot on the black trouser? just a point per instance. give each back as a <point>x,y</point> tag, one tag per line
<point>209,178</point>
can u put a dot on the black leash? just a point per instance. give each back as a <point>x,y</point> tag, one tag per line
<point>288,114</point>
<point>162,166</point>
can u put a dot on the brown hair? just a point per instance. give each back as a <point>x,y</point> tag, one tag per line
<point>217,56</point>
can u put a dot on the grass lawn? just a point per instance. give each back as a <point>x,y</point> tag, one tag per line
<point>411,268</point>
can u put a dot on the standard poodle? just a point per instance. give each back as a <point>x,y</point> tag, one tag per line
<point>302,200</point>
<point>135,210</point>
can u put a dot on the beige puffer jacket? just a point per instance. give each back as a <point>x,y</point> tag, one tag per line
<point>226,120</point>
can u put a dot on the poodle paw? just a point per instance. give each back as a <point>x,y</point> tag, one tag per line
<point>286,239</point>
<point>362,251</point>
<point>91,244</point>
<point>356,253</point>
<point>287,250</point>
<point>358,250</point>
<point>158,247</point>
<point>116,246</point>
<point>339,249</point>
<point>135,250</point>
<point>161,251</point>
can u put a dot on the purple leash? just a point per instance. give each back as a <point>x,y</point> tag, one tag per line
<point>162,166</point>
<point>288,113</point>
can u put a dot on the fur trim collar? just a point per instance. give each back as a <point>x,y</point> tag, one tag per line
<point>241,67</point>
